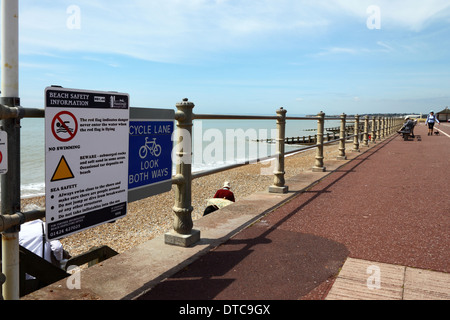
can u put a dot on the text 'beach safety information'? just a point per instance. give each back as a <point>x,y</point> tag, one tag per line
<point>86,163</point>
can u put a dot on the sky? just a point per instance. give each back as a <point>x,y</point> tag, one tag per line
<point>242,56</point>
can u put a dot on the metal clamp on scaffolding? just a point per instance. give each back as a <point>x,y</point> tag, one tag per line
<point>10,109</point>
<point>19,218</point>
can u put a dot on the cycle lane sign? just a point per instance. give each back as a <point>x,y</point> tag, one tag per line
<point>150,152</point>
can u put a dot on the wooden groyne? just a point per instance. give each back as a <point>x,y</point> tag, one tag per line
<point>332,134</point>
<point>305,140</point>
<point>348,128</point>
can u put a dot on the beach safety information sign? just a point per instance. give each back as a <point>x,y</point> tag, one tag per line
<point>86,163</point>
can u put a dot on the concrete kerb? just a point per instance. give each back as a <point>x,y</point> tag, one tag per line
<point>133,273</point>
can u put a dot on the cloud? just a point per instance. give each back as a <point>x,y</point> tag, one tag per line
<point>338,50</point>
<point>166,31</point>
<point>194,30</point>
<point>386,47</point>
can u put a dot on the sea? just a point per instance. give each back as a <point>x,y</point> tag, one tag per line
<point>216,143</point>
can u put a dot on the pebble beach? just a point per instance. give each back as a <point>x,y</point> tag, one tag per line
<point>151,217</point>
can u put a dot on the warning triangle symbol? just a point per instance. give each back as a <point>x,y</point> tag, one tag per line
<point>63,171</point>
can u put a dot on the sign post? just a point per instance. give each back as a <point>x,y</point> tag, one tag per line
<point>86,163</point>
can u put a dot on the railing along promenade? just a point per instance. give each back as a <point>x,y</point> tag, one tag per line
<point>183,234</point>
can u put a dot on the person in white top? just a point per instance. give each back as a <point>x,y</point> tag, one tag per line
<point>32,237</point>
<point>431,120</point>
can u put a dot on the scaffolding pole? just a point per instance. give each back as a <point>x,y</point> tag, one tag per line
<point>10,182</point>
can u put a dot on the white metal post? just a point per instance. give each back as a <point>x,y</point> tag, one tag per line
<point>11,181</point>
<point>10,48</point>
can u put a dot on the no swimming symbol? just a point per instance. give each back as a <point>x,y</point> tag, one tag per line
<point>64,126</point>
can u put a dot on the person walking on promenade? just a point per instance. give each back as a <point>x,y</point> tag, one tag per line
<point>431,120</point>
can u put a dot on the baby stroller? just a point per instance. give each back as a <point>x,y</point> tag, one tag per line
<point>408,129</point>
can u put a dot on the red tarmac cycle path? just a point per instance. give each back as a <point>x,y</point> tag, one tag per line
<point>391,205</point>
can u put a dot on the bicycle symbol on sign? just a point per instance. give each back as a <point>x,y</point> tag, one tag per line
<point>150,147</point>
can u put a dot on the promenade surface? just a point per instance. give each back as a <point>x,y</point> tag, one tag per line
<point>375,226</point>
<point>387,210</point>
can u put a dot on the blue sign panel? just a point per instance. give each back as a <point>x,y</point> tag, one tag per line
<point>150,155</point>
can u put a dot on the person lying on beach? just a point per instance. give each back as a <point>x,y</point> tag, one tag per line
<point>222,198</point>
<point>225,192</point>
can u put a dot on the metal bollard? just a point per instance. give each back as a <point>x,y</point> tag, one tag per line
<point>366,132</point>
<point>385,127</point>
<point>342,155</point>
<point>356,133</point>
<point>379,128</point>
<point>279,181</point>
<point>182,234</point>
<point>319,152</point>
<point>374,130</point>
